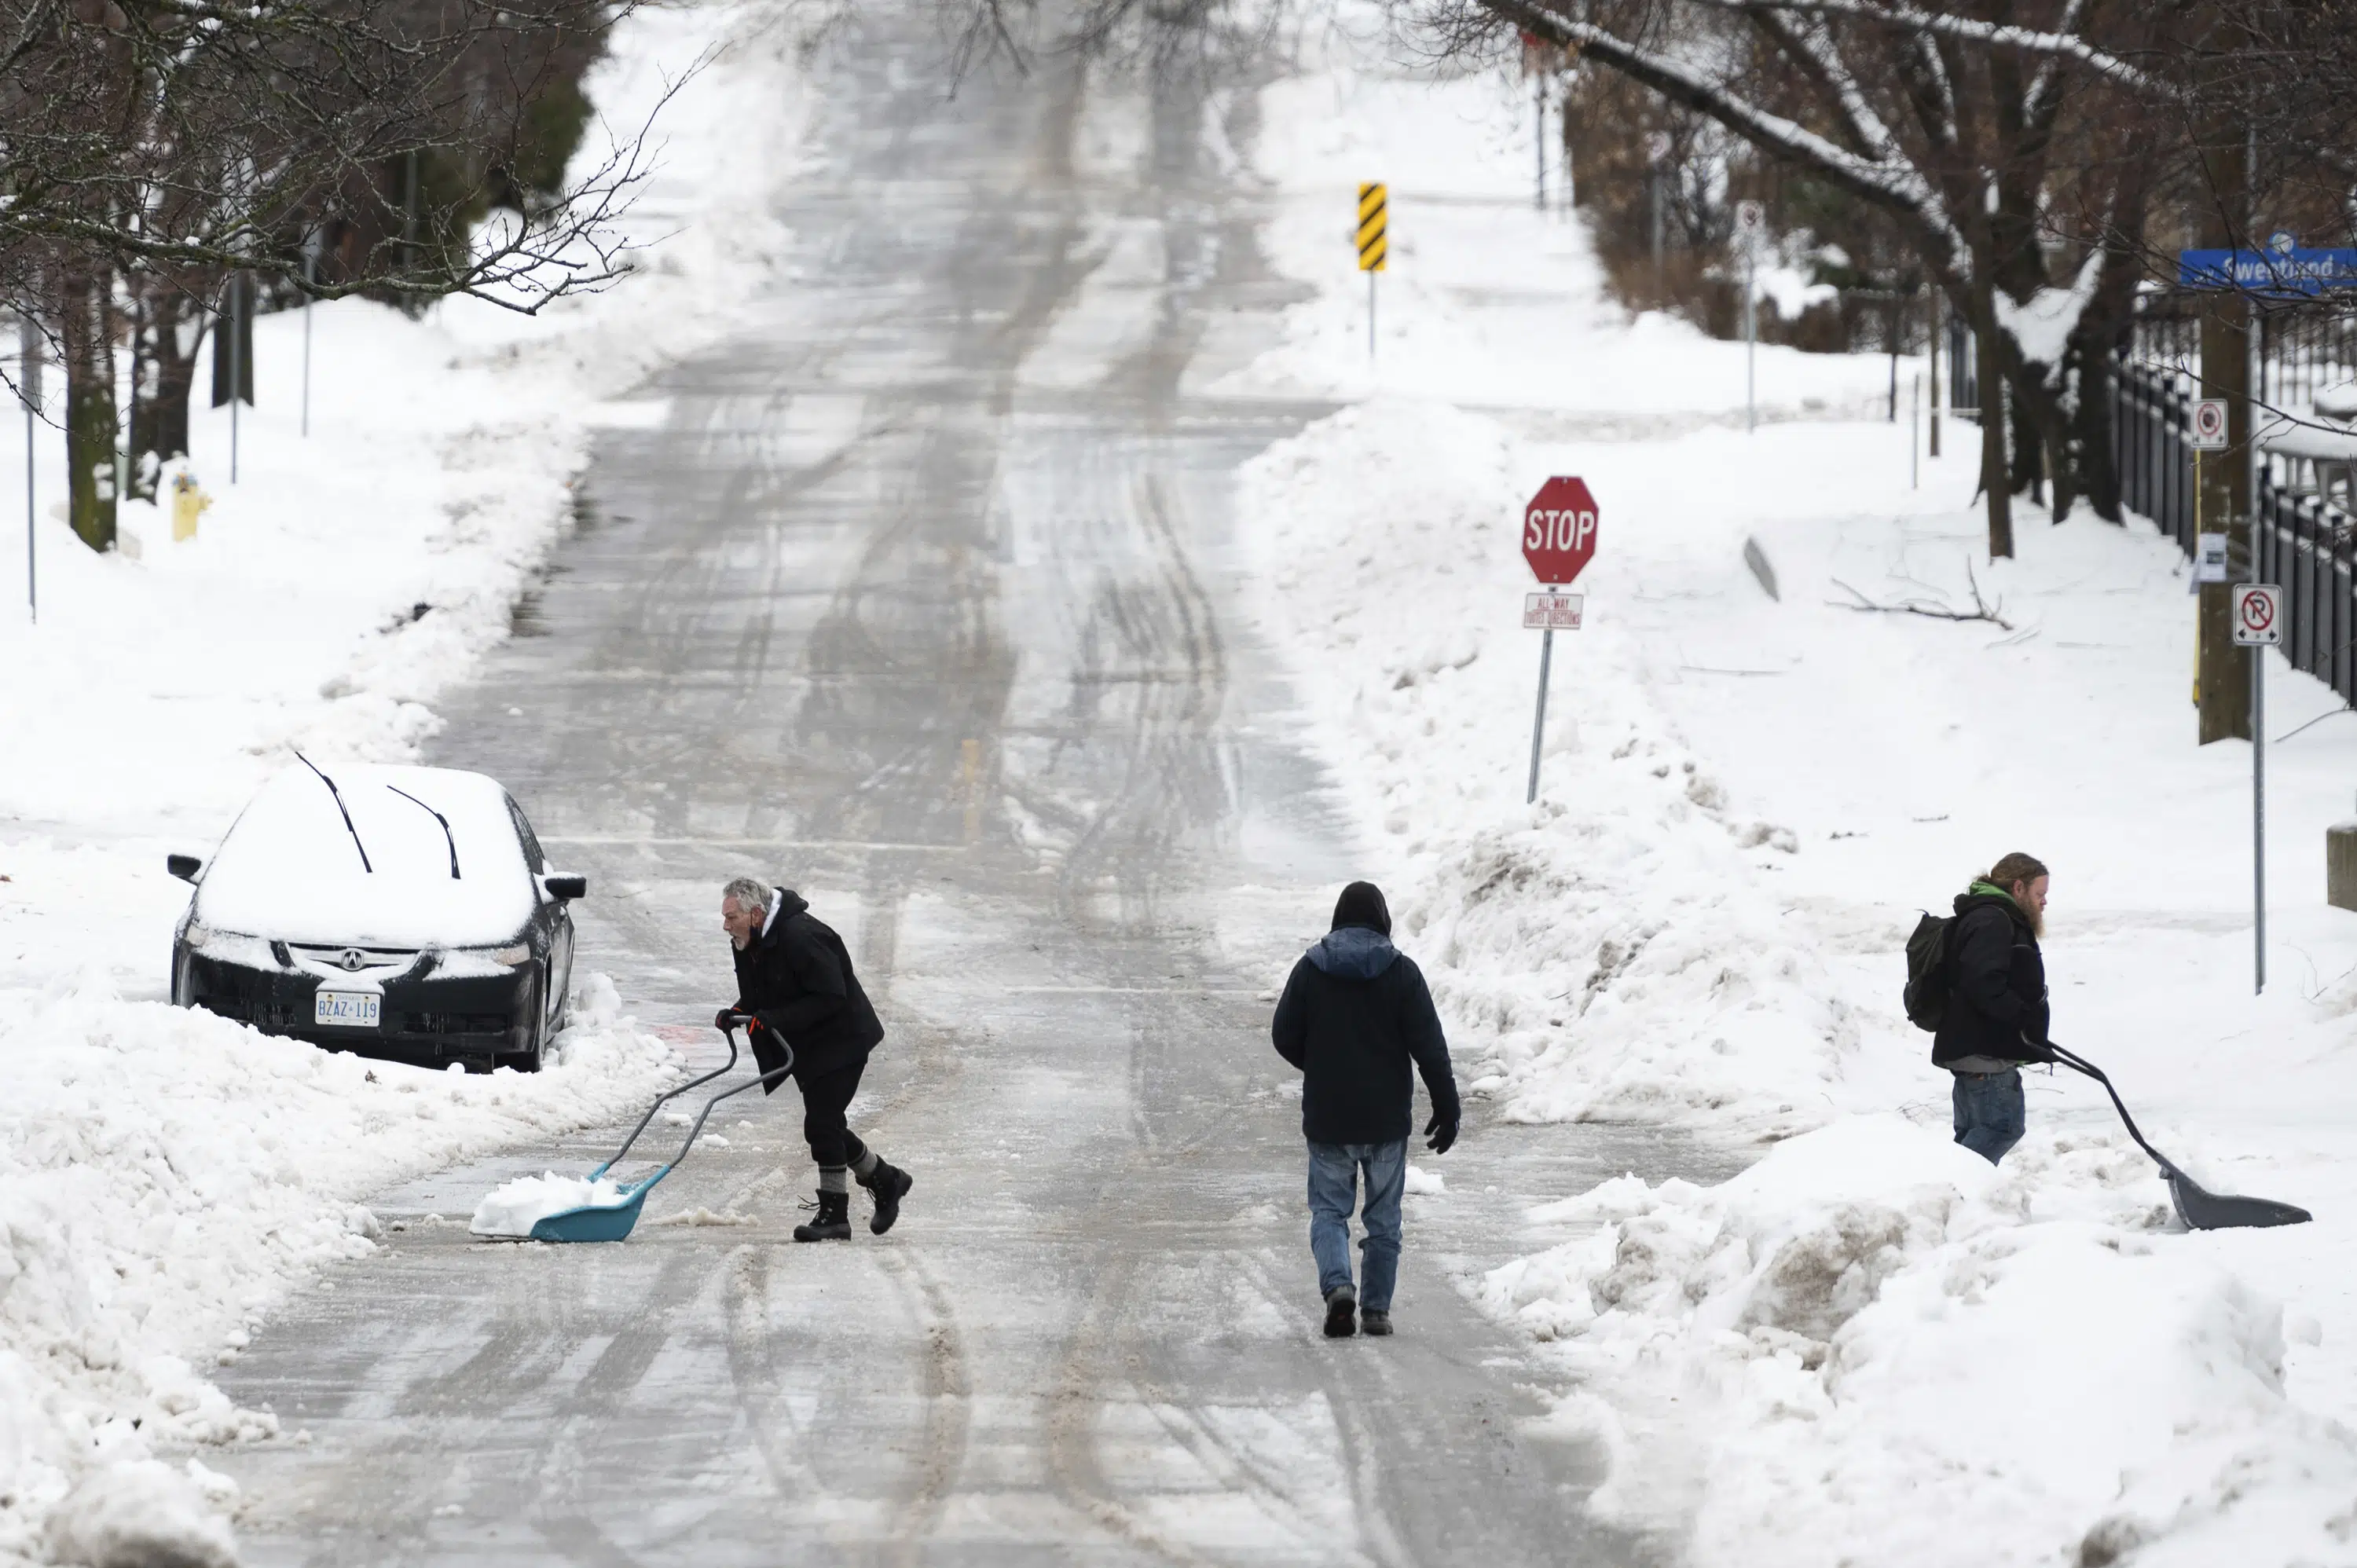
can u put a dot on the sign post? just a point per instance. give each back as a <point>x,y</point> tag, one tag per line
<point>1374,247</point>
<point>1558,541</point>
<point>28,388</point>
<point>2258,626</point>
<point>1750,223</point>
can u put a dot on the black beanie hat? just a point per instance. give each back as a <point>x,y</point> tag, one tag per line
<point>1362,904</point>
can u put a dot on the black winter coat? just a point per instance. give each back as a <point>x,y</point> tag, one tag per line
<point>1997,984</point>
<point>798,978</point>
<point>1355,1013</point>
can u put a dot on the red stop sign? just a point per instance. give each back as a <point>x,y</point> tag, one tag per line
<point>1559,530</point>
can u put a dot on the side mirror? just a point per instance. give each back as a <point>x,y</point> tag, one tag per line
<point>567,887</point>
<point>184,866</point>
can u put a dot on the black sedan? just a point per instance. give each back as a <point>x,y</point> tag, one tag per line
<point>399,912</point>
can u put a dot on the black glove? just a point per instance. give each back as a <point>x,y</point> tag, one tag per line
<point>728,1018</point>
<point>1440,1132</point>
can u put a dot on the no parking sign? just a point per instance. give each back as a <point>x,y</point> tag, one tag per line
<point>2209,425</point>
<point>2259,614</point>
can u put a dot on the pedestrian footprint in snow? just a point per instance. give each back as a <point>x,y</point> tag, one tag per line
<point>795,979</point>
<point>1355,1013</point>
<point>1977,981</point>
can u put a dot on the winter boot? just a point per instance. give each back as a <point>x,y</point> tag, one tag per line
<point>1374,1323</point>
<point>831,1223</point>
<point>1341,1310</point>
<point>888,1184</point>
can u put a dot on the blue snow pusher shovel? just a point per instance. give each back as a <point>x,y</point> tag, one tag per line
<point>612,1222</point>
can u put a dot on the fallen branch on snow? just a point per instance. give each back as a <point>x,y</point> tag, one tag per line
<point>1934,608</point>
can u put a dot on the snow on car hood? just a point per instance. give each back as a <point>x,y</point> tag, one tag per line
<point>289,869</point>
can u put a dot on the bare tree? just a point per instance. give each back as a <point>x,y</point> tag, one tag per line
<point>1999,145</point>
<point>150,150</point>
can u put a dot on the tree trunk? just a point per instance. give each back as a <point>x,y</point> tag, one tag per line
<point>2027,472</point>
<point>170,328</point>
<point>87,315</point>
<point>2091,437</point>
<point>1994,489</point>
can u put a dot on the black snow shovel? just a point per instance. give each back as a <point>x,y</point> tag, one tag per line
<point>2201,1208</point>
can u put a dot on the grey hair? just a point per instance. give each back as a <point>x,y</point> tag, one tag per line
<point>748,893</point>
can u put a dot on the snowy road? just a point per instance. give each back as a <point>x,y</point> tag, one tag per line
<point>918,596</point>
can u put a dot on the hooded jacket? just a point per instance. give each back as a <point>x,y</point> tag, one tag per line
<point>798,977</point>
<point>1997,983</point>
<point>1355,1013</point>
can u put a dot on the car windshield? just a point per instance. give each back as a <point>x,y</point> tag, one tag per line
<point>290,870</point>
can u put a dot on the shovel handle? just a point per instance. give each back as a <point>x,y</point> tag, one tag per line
<point>2080,1064</point>
<point>771,1079</point>
<point>669,1094</point>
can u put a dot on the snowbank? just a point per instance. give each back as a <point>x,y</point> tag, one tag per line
<point>167,1176</point>
<point>1872,1335</point>
<point>1617,951</point>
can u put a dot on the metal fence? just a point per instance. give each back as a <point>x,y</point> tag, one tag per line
<point>2300,538</point>
<point>2304,535</point>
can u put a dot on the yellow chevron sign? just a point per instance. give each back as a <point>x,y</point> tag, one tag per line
<point>1373,245</point>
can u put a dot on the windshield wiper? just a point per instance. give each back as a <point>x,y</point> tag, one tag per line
<point>438,817</point>
<point>338,794</point>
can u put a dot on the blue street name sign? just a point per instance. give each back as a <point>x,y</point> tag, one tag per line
<point>2297,271</point>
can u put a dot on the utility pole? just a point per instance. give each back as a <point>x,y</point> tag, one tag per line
<point>2222,678</point>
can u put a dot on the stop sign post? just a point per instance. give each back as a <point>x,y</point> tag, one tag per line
<point>1558,541</point>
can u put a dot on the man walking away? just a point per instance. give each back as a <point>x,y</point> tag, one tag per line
<point>794,977</point>
<point>1355,1013</point>
<point>1995,1017</point>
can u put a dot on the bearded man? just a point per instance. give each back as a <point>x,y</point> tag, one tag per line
<point>1996,1013</point>
<point>795,980</point>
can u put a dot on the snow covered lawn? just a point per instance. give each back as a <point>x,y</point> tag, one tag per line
<point>1871,1347</point>
<point>167,1177</point>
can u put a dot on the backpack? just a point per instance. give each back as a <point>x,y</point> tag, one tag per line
<point>1927,971</point>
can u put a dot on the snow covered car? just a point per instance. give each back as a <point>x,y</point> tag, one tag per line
<point>399,912</point>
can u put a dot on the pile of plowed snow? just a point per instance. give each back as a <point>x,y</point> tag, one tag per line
<point>166,1176</point>
<point>1872,1335</point>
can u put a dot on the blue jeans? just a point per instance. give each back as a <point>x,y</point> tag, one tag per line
<point>1333,1192</point>
<point>1989,1117</point>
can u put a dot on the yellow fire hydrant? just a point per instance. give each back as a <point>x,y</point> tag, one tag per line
<point>188,503</point>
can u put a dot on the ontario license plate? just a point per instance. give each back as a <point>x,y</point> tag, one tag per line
<point>348,1009</point>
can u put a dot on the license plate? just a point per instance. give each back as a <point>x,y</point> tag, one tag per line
<point>347,1009</point>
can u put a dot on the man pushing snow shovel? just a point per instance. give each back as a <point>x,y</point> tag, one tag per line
<point>794,977</point>
<point>1355,1013</point>
<point>1978,981</point>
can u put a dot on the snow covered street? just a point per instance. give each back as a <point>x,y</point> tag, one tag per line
<point>982,513</point>
<point>923,592</point>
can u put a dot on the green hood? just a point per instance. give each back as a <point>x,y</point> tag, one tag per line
<point>1991,890</point>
